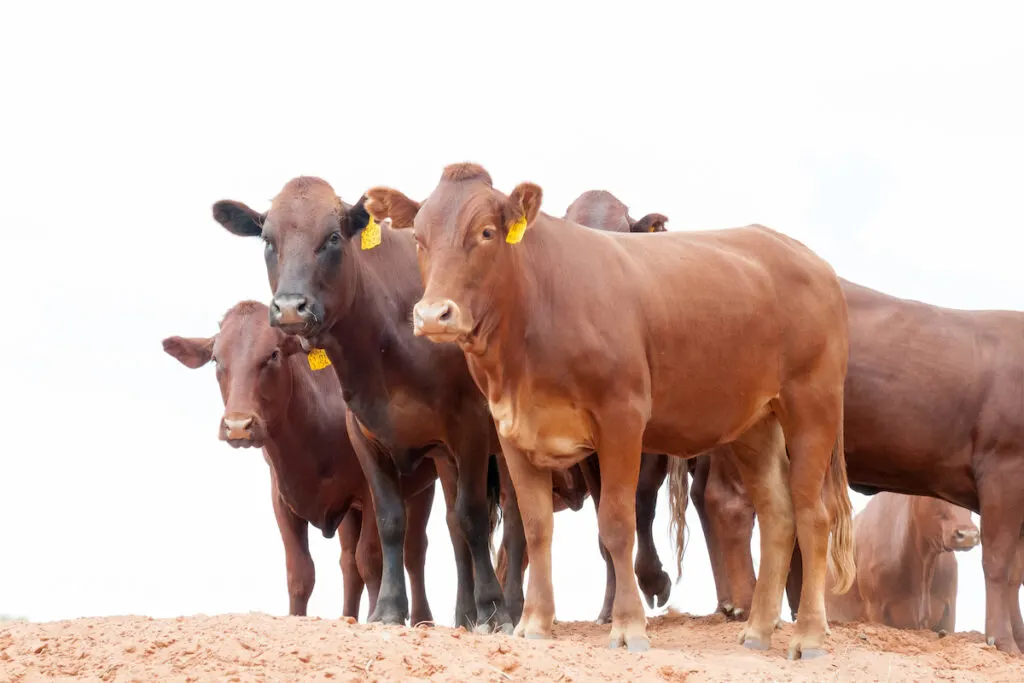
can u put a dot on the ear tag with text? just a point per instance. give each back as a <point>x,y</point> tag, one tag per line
<point>515,233</point>
<point>371,235</point>
<point>318,359</point>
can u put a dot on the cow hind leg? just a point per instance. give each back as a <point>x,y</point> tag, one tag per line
<point>465,605</point>
<point>760,458</point>
<point>654,581</point>
<point>533,490</point>
<point>812,422</point>
<point>731,517</point>
<point>348,538</point>
<point>369,558</point>
<point>592,475</point>
<point>698,494</point>
<point>418,511</point>
<point>513,546</point>
<point>1016,579</point>
<point>1002,511</point>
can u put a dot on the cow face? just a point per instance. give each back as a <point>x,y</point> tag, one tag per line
<point>252,371</point>
<point>467,235</point>
<point>946,525</point>
<point>306,234</point>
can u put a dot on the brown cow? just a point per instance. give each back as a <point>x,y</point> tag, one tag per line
<point>584,341</point>
<point>906,571</point>
<point>931,405</point>
<point>273,400</point>
<point>350,292</point>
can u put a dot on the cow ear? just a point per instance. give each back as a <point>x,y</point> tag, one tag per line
<point>652,222</point>
<point>290,345</point>
<point>521,210</point>
<point>383,202</point>
<point>192,352</point>
<point>357,218</point>
<point>238,218</point>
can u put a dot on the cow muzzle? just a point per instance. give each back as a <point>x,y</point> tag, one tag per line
<point>293,314</point>
<point>965,539</point>
<point>439,320</point>
<point>241,430</point>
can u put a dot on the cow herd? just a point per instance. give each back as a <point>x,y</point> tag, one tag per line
<point>529,361</point>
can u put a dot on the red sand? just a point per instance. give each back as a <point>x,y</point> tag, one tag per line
<point>251,647</point>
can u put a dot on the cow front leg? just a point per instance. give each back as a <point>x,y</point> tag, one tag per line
<point>465,605</point>
<point>352,581</point>
<point>1002,511</point>
<point>298,562</point>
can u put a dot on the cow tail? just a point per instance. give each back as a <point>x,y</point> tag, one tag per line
<point>493,501</point>
<point>501,565</point>
<point>841,561</point>
<point>678,498</point>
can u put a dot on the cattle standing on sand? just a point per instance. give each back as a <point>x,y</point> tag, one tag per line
<point>932,408</point>
<point>586,341</point>
<point>350,292</point>
<point>274,400</point>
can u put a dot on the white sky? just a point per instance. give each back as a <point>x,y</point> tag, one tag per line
<point>887,136</point>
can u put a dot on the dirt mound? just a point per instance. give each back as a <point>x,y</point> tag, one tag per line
<point>245,647</point>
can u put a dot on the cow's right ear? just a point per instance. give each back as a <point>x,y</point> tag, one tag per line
<point>238,218</point>
<point>383,202</point>
<point>652,222</point>
<point>192,352</point>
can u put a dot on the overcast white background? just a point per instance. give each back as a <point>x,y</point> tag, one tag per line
<point>887,136</point>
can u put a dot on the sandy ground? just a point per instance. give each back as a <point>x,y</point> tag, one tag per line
<point>257,647</point>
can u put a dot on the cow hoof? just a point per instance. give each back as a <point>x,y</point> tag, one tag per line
<point>943,633</point>
<point>536,636</point>
<point>809,653</point>
<point>393,617</point>
<point>505,629</point>
<point>755,644</point>
<point>603,619</point>
<point>638,644</point>
<point>990,641</point>
<point>482,629</point>
<point>738,614</point>
<point>657,592</point>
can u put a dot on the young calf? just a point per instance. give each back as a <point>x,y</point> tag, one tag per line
<point>906,571</point>
<point>273,400</point>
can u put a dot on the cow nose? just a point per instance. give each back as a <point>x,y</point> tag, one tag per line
<point>237,428</point>
<point>290,312</point>
<point>440,317</point>
<point>967,536</point>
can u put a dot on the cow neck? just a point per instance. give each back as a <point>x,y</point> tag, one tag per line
<point>374,324</point>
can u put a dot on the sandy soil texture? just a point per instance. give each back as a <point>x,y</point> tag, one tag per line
<point>258,647</point>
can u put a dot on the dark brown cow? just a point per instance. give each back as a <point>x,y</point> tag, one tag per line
<point>906,572</point>
<point>587,341</point>
<point>273,400</point>
<point>350,292</point>
<point>932,409</point>
<point>603,210</point>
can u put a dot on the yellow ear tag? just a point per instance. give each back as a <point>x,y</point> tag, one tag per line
<point>651,229</point>
<point>371,235</point>
<point>515,233</point>
<point>318,359</point>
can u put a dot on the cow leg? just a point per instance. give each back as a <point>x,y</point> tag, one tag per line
<point>297,560</point>
<point>701,468</point>
<point>592,475</point>
<point>534,491</point>
<point>369,558</point>
<point>392,602</point>
<point>1002,511</point>
<point>418,512</point>
<point>812,420</point>
<point>794,581</point>
<point>465,605</point>
<point>1016,579</point>
<point>348,538</point>
<point>471,505</point>
<point>619,458</point>
<point>731,517</point>
<point>654,581</point>
<point>513,542</point>
<point>760,458</point>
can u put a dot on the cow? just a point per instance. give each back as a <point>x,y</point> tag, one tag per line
<point>276,401</point>
<point>907,574</point>
<point>347,288</point>
<point>932,409</point>
<point>589,341</point>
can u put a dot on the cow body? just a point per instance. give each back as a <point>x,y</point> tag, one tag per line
<point>586,341</point>
<point>406,398</point>
<point>274,400</point>
<point>932,408</point>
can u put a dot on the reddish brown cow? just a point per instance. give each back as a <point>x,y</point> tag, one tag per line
<point>588,341</point>
<point>273,400</point>
<point>931,405</point>
<point>350,292</point>
<point>906,572</point>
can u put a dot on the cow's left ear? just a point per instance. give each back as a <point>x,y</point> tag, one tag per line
<point>652,222</point>
<point>521,210</point>
<point>192,352</point>
<point>383,202</point>
<point>357,218</point>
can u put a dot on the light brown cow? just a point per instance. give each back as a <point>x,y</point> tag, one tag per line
<point>584,341</point>
<point>906,571</point>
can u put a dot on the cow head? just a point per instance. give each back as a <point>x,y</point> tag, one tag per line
<point>307,234</point>
<point>466,241</point>
<point>252,370</point>
<point>944,525</point>
<point>602,210</point>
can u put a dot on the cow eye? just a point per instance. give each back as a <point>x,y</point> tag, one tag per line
<point>487,233</point>
<point>276,355</point>
<point>335,238</point>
